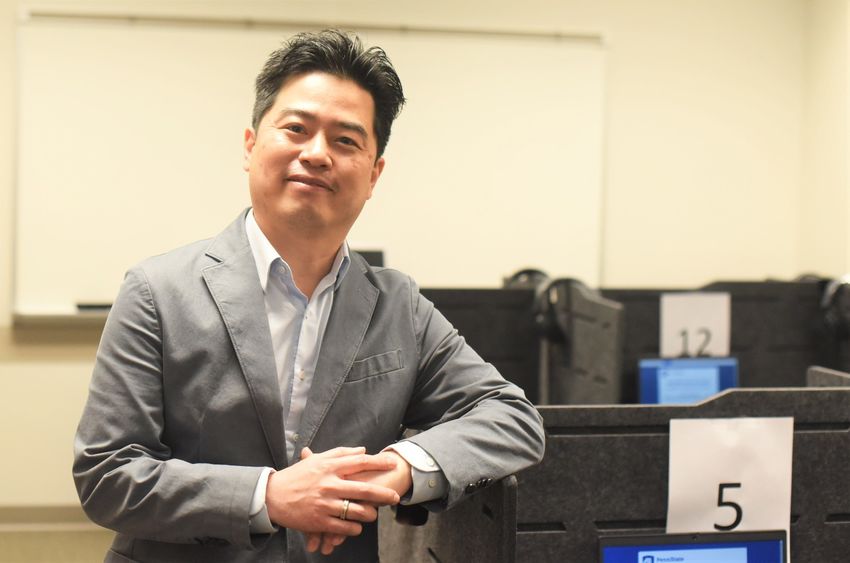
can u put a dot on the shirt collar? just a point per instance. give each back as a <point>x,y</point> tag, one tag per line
<point>265,254</point>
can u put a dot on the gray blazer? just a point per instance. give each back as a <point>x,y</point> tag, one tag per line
<point>184,407</point>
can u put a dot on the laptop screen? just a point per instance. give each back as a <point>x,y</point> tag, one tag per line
<point>686,380</point>
<point>729,547</point>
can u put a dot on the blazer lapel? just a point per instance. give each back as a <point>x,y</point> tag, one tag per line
<point>234,286</point>
<point>354,303</point>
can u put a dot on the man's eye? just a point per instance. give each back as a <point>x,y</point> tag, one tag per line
<point>348,141</point>
<point>295,128</point>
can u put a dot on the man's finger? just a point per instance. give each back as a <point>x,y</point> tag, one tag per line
<point>358,463</point>
<point>342,527</point>
<point>361,512</point>
<point>314,541</point>
<point>327,544</point>
<point>330,542</point>
<point>366,492</point>
<point>335,452</point>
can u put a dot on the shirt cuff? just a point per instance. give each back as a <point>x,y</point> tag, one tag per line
<point>428,480</point>
<point>258,521</point>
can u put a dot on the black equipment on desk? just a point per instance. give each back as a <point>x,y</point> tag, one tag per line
<point>835,304</point>
<point>582,361</point>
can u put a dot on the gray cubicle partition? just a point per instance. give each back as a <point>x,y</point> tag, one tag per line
<point>499,325</point>
<point>777,331</point>
<point>595,337</point>
<point>482,528</point>
<point>817,376</point>
<point>605,473</point>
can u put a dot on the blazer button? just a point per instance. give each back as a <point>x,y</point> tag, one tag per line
<point>470,488</point>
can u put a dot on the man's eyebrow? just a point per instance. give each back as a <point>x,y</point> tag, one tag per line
<point>355,127</point>
<point>286,112</point>
<point>303,114</point>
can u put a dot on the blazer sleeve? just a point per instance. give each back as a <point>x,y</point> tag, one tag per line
<point>125,475</point>
<point>476,425</point>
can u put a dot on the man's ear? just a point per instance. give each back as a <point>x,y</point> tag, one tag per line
<point>247,147</point>
<point>376,173</point>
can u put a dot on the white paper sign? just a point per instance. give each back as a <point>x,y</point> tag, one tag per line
<point>695,324</point>
<point>730,474</point>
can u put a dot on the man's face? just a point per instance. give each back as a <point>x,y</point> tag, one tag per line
<point>311,162</point>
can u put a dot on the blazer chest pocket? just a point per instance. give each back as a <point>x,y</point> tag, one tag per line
<point>375,365</point>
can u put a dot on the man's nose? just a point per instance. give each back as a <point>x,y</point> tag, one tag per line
<point>315,152</point>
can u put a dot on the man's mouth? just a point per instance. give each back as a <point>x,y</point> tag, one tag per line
<point>310,181</point>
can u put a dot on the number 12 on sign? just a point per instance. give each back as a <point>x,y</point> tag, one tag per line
<point>701,342</point>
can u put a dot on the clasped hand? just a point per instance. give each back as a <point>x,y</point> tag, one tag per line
<point>309,495</point>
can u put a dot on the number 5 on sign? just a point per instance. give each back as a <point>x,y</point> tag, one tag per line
<point>739,512</point>
<point>730,474</point>
<point>695,324</point>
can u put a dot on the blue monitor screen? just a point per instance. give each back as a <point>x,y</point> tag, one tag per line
<point>685,380</point>
<point>756,547</point>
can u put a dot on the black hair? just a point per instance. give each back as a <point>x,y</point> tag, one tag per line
<point>339,54</point>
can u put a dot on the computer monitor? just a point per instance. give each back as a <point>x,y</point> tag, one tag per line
<point>728,547</point>
<point>685,380</point>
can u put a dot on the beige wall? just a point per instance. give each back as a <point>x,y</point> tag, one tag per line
<point>715,146</point>
<point>36,436</point>
<point>704,143</point>
<point>7,135</point>
<point>825,205</point>
<point>705,114</point>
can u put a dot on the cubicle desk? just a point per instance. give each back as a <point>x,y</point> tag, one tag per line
<point>605,473</point>
<point>776,333</point>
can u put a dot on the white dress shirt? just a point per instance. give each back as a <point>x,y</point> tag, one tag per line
<point>297,327</point>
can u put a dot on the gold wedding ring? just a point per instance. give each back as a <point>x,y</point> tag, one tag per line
<point>344,512</point>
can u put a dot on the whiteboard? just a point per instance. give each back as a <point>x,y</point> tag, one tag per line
<point>130,144</point>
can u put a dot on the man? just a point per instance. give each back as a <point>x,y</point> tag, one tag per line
<point>250,390</point>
